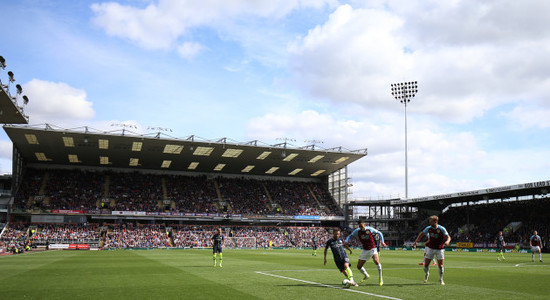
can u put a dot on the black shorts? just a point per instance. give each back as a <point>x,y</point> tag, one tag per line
<point>217,249</point>
<point>500,248</point>
<point>340,263</point>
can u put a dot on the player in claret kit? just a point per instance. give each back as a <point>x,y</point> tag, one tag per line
<point>438,238</point>
<point>336,245</point>
<point>423,258</point>
<point>536,244</point>
<point>366,234</point>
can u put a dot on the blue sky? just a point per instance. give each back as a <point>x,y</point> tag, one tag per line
<point>304,70</point>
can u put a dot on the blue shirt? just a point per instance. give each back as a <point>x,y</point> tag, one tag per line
<point>337,248</point>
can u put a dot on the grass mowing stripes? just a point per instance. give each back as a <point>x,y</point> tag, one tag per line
<point>177,274</point>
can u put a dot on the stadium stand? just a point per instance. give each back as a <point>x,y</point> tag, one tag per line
<point>82,190</point>
<point>480,223</point>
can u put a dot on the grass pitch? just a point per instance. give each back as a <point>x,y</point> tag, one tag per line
<point>261,274</point>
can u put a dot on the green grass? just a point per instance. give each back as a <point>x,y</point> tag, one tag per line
<point>179,274</point>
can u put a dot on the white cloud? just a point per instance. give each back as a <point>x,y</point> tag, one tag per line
<point>306,126</point>
<point>56,103</point>
<point>160,25</point>
<point>439,161</point>
<point>6,149</point>
<point>529,116</point>
<point>189,50</point>
<point>467,57</point>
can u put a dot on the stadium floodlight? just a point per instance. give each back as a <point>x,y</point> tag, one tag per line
<point>2,62</point>
<point>19,89</point>
<point>25,99</point>
<point>12,76</point>
<point>404,92</point>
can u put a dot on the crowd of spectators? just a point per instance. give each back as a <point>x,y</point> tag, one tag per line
<point>244,196</point>
<point>65,233</point>
<point>14,238</point>
<point>192,194</point>
<point>293,197</point>
<point>322,194</point>
<point>303,236</point>
<point>135,191</point>
<point>73,190</point>
<point>30,187</point>
<point>249,236</point>
<point>116,236</point>
<point>136,236</point>
<point>15,231</point>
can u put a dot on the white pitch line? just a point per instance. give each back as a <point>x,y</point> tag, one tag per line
<point>329,286</point>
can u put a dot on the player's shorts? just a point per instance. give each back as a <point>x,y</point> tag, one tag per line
<point>367,254</point>
<point>217,249</point>
<point>341,263</point>
<point>437,253</point>
<point>535,249</point>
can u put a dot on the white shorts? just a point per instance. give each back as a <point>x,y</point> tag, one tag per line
<point>367,254</point>
<point>535,249</point>
<point>438,253</point>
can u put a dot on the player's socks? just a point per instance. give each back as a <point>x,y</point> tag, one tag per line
<point>426,273</point>
<point>441,272</point>
<point>221,259</point>
<point>350,274</point>
<point>366,275</point>
<point>380,280</point>
<point>214,259</point>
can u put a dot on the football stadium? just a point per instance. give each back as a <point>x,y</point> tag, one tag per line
<point>91,214</point>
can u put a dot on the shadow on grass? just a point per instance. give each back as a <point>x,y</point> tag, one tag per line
<point>332,285</point>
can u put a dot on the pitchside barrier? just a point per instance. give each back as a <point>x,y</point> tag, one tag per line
<point>455,249</point>
<point>71,247</point>
<point>452,249</point>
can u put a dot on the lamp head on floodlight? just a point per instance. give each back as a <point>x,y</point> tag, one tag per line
<point>19,89</point>
<point>2,62</point>
<point>25,100</point>
<point>404,91</point>
<point>10,74</point>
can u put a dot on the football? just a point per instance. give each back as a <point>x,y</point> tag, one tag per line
<point>346,283</point>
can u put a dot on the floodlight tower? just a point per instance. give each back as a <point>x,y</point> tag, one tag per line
<point>404,92</point>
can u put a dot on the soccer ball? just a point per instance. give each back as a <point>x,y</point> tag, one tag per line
<point>346,283</point>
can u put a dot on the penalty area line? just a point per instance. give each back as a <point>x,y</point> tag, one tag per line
<point>329,286</point>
